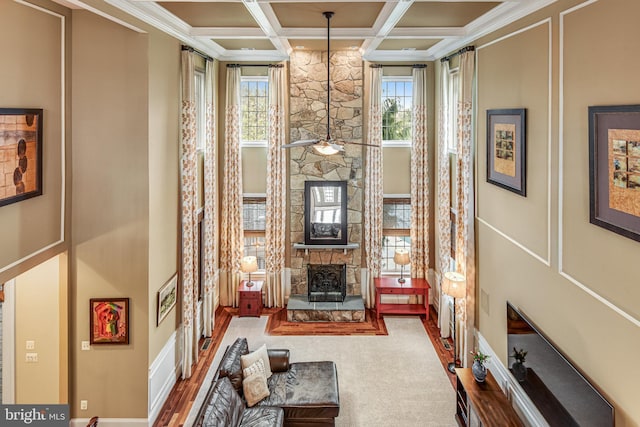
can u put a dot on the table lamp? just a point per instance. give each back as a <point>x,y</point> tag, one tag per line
<point>401,258</point>
<point>454,285</point>
<point>249,264</point>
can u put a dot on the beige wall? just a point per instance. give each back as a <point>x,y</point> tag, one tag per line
<point>39,318</point>
<point>110,256</point>
<point>572,278</point>
<point>35,224</point>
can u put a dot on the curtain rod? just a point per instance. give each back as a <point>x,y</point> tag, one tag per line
<point>254,65</point>
<point>197,52</point>
<point>398,65</point>
<point>460,52</point>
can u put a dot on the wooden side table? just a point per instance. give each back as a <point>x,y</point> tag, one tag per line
<point>250,299</point>
<point>391,286</point>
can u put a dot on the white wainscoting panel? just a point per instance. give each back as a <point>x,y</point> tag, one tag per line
<point>163,373</point>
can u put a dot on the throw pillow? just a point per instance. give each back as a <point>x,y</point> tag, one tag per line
<point>256,367</point>
<point>261,353</point>
<point>255,388</point>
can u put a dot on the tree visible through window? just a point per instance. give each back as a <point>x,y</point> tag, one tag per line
<point>254,101</point>
<point>397,105</point>
<point>396,230</point>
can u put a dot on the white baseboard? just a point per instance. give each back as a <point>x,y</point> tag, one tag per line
<point>163,374</point>
<point>519,399</point>
<point>112,422</point>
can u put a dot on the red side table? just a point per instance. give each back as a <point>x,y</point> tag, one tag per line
<point>250,300</point>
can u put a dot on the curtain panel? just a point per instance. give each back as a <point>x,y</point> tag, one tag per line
<point>210,231</point>
<point>373,198</point>
<point>276,209</point>
<point>465,241</point>
<point>419,177</point>
<point>189,220</point>
<point>231,232</point>
<point>444,197</point>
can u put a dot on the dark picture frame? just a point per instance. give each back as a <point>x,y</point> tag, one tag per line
<point>507,149</point>
<point>325,212</point>
<point>21,147</point>
<point>614,168</point>
<point>109,320</point>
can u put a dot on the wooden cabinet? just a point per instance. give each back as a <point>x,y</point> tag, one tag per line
<point>250,298</point>
<point>391,286</point>
<point>482,404</point>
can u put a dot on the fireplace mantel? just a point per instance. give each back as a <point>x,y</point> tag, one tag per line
<point>306,248</point>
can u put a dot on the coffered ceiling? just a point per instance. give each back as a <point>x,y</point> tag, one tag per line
<point>269,30</point>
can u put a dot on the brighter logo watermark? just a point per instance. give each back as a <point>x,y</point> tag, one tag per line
<point>34,415</point>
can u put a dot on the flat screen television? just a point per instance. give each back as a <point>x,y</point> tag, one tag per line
<point>561,393</point>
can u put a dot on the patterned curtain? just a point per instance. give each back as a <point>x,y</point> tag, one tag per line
<point>465,241</point>
<point>444,196</point>
<point>188,174</point>
<point>373,197</point>
<point>231,233</point>
<point>419,177</point>
<point>275,231</point>
<point>210,230</point>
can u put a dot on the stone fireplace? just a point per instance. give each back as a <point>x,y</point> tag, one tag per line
<point>326,282</point>
<point>308,88</point>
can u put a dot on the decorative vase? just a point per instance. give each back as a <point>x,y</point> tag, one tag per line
<point>479,371</point>
<point>519,371</point>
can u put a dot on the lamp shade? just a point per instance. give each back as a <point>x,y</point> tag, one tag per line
<point>249,264</point>
<point>401,257</point>
<point>454,284</point>
<point>325,148</point>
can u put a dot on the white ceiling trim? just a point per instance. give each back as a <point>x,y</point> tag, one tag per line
<point>228,32</point>
<point>321,33</point>
<point>398,56</point>
<point>389,16</point>
<point>426,32</point>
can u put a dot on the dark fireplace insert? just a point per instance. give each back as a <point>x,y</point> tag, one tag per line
<point>327,282</point>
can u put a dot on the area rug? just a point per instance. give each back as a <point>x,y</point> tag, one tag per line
<point>385,380</point>
<point>279,325</point>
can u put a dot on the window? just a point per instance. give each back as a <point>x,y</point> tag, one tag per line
<point>254,213</point>
<point>254,101</point>
<point>454,79</point>
<point>397,105</point>
<point>200,110</point>
<point>396,230</point>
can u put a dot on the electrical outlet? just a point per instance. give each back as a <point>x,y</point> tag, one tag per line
<point>31,345</point>
<point>86,345</point>
<point>31,357</point>
<point>84,405</point>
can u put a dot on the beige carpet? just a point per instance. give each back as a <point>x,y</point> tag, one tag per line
<point>392,380</point>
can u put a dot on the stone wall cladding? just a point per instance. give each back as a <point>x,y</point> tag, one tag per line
<point>308,120</point>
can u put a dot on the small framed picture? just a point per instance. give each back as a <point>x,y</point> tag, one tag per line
<point>506,149</point>
<point>167,296</point>
<point>614,168</point>
<point>109,320</point>
<point>20,154</point>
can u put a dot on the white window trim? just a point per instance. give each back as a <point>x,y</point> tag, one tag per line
<point>393,273</point>
<point>453,120</point>
<point>253,143</point>
<point>397,142</point>
<point>201,133</point>
<point>261,274</point>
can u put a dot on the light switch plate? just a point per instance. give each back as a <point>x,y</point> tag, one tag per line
<point>86,345</point>
<point>30,345</point>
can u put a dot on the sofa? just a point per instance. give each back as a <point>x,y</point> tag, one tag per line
<point>299,394</point>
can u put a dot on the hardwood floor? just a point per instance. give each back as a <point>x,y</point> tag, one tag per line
<point>176,409</point>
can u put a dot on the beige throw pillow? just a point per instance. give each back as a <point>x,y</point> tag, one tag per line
<point>255,368</point>
<point>255,388</point>
<point>261,353</point>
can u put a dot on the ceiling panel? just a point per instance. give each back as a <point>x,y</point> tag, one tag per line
<point>240,44</point>
<point>447,14</point>
<point>316,44</point>
<point>401,44</point>
<point>309,15</point>
<point>214,14</point>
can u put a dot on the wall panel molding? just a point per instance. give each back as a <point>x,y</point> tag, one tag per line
<point>545,258</point>
<point>582,286</point>
<point>163,374</point>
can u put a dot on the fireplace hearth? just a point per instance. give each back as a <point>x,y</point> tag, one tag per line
<point>327,282</point>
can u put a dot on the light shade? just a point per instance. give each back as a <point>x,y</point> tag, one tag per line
<point>249,264</point>
<point>325,148</point>
<point>401,257</point>
<point>454,284</point>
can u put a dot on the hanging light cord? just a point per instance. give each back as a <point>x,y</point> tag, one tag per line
<point>328,15</point>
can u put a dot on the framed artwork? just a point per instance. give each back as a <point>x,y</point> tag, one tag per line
<point>167,296</point>
<point>20,154</point>
<point>507,149</point>
<point>614,168</point>
<point>109,320</point>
